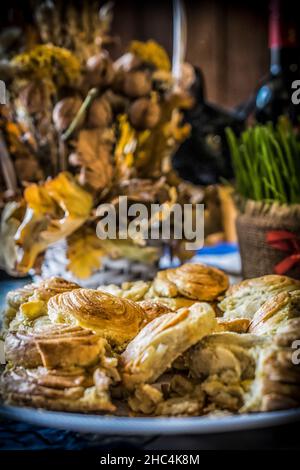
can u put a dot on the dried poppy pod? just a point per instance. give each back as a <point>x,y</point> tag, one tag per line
<point>137,84</point>
<point>64,112</point>
<point>144,114</point>
<point>100,113</point>
<point>99,70</point>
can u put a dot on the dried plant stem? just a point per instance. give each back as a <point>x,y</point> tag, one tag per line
<point>80,115</point>
<point>7,167</point>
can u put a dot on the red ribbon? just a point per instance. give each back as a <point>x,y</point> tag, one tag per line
<point>284,240</point>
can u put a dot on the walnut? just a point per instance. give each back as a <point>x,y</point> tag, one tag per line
<point>28,169</point>
<point>136,84</point>
<point>99,70</point>
<point>144,114</point>
<point>64,112</point>
<point>100,114</point>
<point>33,97</point>
<point>118,103</point>
<point>118,82</point>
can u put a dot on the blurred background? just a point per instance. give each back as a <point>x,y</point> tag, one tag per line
<point>225,38</point>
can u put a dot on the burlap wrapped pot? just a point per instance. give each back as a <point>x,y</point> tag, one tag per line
<point>253,224</point>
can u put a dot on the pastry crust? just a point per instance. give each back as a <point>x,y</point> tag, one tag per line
<point>227,355</point>
<point>244,299</point>
<point>30,301</point>
<point>237,325</point>
<point>162,341</point>
<point>173,303</point>
<point>118,320</point>
<point>42,291</point>
<point>78,390</point>
<point>129,290</point>
<point>70,349</point>
<point>153,309</point>
<point>275,312</point>
<point>56,347</point>
<point>199,282</point>
<point>194,281</point>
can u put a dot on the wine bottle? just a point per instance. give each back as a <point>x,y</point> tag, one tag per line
<point>274,97</point>
<point>204,158</point>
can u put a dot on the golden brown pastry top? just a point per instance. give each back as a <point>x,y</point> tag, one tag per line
<point>75,390</point>
<point>244,299</point>
<point>274,312</point>
<point>160,342</point>
<point>194,281</point>
<point>135,290</point>
<point>58,346</point>
<point>237,325</point>
<point>30,302</point>
<point>153,309</point>
<point>42,291</point>
<point>116,319</point>
<point>270,281</point>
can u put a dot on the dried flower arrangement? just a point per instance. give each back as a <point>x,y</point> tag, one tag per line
<point>97,128</point>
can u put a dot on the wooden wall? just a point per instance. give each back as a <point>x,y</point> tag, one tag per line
<point>227,39</point>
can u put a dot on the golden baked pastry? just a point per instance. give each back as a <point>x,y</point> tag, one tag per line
<point>160,342</point>
<point>237,325</point>
<point>153,309</point>
<point>225,364</point>
<point>30,302</point>
<point>194,281</point>
<point>274,312</point>
<point>77,389</point>
<point>116,319</point>
<point>59,368</point>
<point>129,290</point>
<point>63,345</point>
<point>223,352</point>
<point>163,287</point>
<point>173,303</point>
<point>248,372</point>
<point>56,347</point>
<point>244,299</point>
<point>277,377</point>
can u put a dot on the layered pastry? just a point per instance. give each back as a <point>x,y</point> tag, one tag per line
<point>161,341</point>
<point>59,368</point>
<point>194,281</point>
<point>182,345</point>
<point>244,299</point>
<point>128,290</point>
<point>117,319</point>
<point>26,304</point>
<point>176,288</point>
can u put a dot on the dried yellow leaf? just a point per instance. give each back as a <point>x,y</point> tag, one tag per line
<point>84,253</point>
<point>53,211</point>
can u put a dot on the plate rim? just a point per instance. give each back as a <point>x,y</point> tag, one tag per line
<point>126,426</point>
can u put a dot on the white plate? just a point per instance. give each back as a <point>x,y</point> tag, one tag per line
<point>147,426</point>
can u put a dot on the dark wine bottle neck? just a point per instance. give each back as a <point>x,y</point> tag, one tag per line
<point>283,39</point>
<point>275,64</point>
<point>284,60</point>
